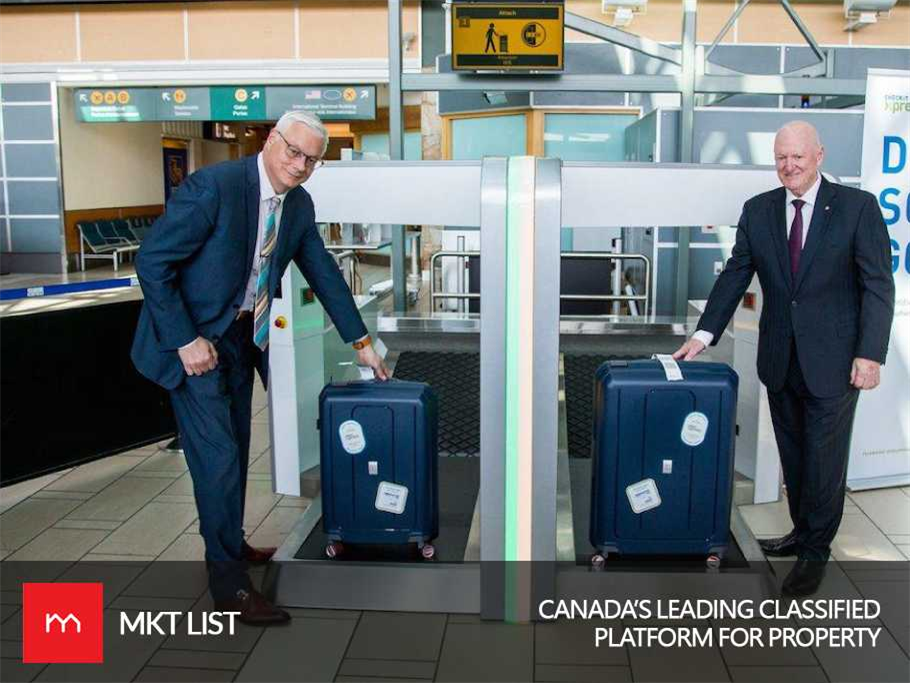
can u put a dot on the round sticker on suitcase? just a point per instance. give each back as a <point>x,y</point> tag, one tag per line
<point>352,439</point>
<point>694,429</point>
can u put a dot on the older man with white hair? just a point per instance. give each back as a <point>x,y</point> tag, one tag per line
<point>823,258</point>
<point>209,269</point>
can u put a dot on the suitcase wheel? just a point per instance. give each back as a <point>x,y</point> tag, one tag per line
<point>713,562</point>
<point>333,550</point>
<point>598,560</point>
<point>428,551</point>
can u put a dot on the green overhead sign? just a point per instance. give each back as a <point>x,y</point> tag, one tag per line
<point>329,102</point>
<point>225,103</point>
<point>121,104</point>
<point>246,103</point>
<point>184,104</point>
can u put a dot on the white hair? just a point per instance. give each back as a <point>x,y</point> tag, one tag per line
<point>309,120</point>
<point>802,127</point>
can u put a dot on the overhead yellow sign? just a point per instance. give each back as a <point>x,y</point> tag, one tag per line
<point>507,36</point>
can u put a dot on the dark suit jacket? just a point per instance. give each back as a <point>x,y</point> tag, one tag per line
<point>195,262</point>
<point>841,303</point>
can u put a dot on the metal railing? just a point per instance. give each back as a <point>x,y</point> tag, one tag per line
<point>579,255</point>
<point>354,280</point>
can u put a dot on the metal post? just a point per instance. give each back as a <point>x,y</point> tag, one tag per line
<point>686,135</point>
<point>396,149</point>
<point>493,197</point>
<point>460,274</point>
<point>415,278</point>
<point>617,275</point>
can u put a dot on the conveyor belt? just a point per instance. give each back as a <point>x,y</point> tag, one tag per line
<point>579,371</point>
<point>456,379</point>
<point>459,483</point>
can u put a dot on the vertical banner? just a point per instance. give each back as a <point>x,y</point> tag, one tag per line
<point>880,450</point>
<point>176,165</point>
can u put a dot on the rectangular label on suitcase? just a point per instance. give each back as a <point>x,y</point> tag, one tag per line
<point>663,451</point>
<point>379,465</point>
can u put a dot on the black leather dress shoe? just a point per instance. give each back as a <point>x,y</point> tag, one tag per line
<point>254,609</point>
<point>805,577</point>
<point>257,555</point>
<point>784,546</point>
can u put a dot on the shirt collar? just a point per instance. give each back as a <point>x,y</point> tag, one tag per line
<point>811,193</point>
<point>266,191</point>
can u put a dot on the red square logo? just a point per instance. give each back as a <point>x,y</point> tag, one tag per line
<point>62,623</point>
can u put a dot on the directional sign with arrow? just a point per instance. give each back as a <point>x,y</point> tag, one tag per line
<point>108,105</point>
<point>184,104</point>
<point>225,103</point>
<point>329,102</point>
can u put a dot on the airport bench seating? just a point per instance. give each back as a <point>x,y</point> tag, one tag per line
<point>114,240</point>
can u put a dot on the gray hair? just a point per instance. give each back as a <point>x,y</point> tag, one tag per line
<point>802,127</point>
<point>309,120</point>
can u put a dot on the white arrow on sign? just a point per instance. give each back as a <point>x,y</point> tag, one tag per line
<point>166,96</point>
<point>364,94</point>
<point>83,97</point>
<point>255,95</point>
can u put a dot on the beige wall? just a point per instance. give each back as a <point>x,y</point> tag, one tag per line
<point>37,34</point>
<point>341,29</point>
<point>109,164</point>
<point>763,21</point>
<point>328,29</point>
<point>213,152</point>
<point>131,32</point>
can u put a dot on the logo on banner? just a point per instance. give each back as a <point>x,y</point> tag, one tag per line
<point>897,104</point>
<point>62,623</point>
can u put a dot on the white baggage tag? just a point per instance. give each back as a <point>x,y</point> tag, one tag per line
<point>643,496</point>
<point>391,497</point>
<point>365,371</point>
<point>671,367</point>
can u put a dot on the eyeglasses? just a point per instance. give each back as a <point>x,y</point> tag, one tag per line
<point>295,154</point>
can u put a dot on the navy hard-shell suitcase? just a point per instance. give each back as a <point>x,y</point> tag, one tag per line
<point>379,464</point>
<point>662,459</point>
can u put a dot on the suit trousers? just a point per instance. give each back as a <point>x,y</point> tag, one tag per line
<point>813,438</point>
<point>214,412</point>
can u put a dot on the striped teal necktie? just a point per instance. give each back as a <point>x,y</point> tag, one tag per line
<point>261,311</point>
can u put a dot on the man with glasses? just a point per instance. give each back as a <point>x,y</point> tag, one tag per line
<point>209,269</point>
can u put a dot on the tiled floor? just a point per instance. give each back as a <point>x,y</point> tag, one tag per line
<point>139,506</point>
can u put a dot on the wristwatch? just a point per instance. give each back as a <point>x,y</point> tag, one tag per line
<point>362,343</point>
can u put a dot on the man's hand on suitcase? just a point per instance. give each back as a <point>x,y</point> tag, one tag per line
<point>368,357</point>
<point>689,350</point>
<point>199,357</point>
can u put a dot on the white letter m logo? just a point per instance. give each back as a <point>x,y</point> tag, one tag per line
<point>51,618</point>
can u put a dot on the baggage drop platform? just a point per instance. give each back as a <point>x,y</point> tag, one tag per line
<point>521,536</point>
<point>445,354</point>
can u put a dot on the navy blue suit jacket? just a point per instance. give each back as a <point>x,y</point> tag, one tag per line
<point>195,263</point>
<point>837,308</point>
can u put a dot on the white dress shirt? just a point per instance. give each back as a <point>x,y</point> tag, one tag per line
<point>265,194</point>
<point>808,197</point>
